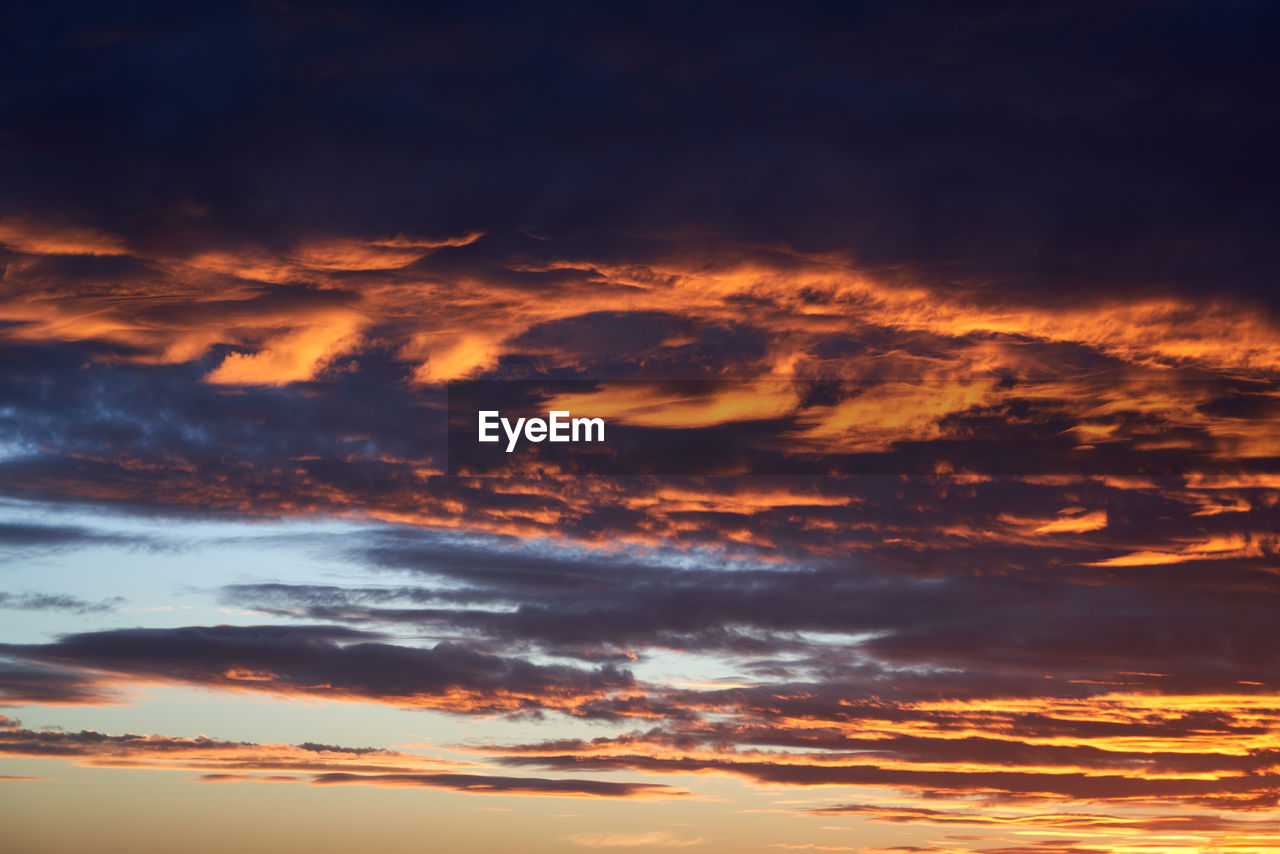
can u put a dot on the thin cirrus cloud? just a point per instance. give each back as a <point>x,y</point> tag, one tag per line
<point>653,839</point>
<point>318,764</point>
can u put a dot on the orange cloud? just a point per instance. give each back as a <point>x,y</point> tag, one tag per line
<point>293,356</point>
<point>1241,545</point>
<point>451,326</point>
<point>24,235</point>
<point>652,405</point>
<point>652,839</point>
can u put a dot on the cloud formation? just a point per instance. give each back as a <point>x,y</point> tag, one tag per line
<point>939,352</point>
<point>319,764</point>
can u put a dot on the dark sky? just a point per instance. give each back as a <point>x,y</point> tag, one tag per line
<point>1053,152</point>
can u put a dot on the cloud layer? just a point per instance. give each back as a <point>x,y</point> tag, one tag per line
<point>939,351</point>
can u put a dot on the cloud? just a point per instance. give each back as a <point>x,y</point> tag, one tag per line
<point>23,235</point>
<point>1064,821</point>
<point>384,254</point>
<point>653,839</point>
<point>98,749</point>
<point>497,785</point>
<point>328,662</point>
<point>57,602</point>
<point>23,535</point>
<point>23,684</point>
<point>247,778</point>
<point>322,765</point>
<point>974,631</point>
<point>1014,271</point>
<point>291,357</point>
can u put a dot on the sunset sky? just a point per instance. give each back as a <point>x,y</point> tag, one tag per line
<point>938,344</point>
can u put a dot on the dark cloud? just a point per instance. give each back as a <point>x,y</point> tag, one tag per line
<point>496,785</point>
<point>23,683</point>
<point>101,427</point>
<point>56,602</point>
<point>328,661</point>
<point>1200,626</point>
<point>1079,144</point>
<point>25,535</point>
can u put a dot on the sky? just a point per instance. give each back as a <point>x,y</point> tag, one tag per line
<point>937,346</point>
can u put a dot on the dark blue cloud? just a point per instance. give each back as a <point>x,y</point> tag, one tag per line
<point>1082,146</point>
